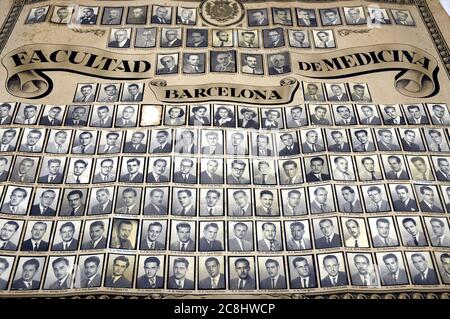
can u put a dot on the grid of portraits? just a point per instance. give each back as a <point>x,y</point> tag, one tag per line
<point>306,196</point>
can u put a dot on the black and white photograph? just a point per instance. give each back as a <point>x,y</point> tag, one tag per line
<point>6,267</point>
<point>211,273</point>
<point>240,202</point>
<point>156,200</point>
<point>324,39</point>
<point>28,274</point>
<point>402,17</point>
<point>321,199</point>
<point>293,202</point>
<point>355,15</point>
<point>363,272</point>
<point>124,234</point>
<point>167,64</point>
<point>150,273</point>
<point>184,201</point>
<point>28,114</point>
<point>161,15</point>
<point>223,61</point>
<point>258,17</point>
<point>326,233</point>
<point>411,231</point>
<point>181,274</point>
<point>66,236</point>
<point>182,236</point>
<point>282,16</point>
<point>128,200</point>
<point>59,275</point>
<point>266,203</point>
<point>197,38</point>
<point>37,15</point>
<point>273,38</point>
<point>377,17</point>
<point>211,236</point>
<point>330,17</point>
<point>119,271</point>
<point>242,274</point>
<point>252,64</point>
<point>306,17</point>
<point>112,15</point>
<point>298,236</point>
<point>62,14</point>
<point>120,38</point>
<point>87,15</point>
<point>368,114</point>
<point>422,268</point>
<point>37,236</point>
<point>89,271</point>
<point>272,273</point>
<point>10,232</point>
<point>316,169</point>
<point>137,15</point>
<point>392,268</point>
<point>355,232</point>
<point>333,272</point>
<point>223,38</point>
<point>248,38</point>
<point>95,234</point>
<point>194,63</point>
<point>302,272</point>
<point>145,38</point>
<point>52,115</point>
<point>269,236</point>
<point>132,92</point>
<point>279,63</point>
<point>171,37</point>
<point>16,199</point>
<point>240,236</point>
<point>186,16</point>
<point>383,232</point>
<point>375,198</point>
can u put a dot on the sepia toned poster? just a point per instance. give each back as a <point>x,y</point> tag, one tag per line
<point>213,148</point>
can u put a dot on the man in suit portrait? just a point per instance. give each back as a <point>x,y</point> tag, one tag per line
<point>89,17</point>
<point>258,18</point>
<point>368,170</point>
<point>356,238</point>
<point>282,16</point>
<point>409,142</point>
<point>215,279</point>
<point>184,242</point>
<point>105,175</point>
<point>340,145</point>
<point>330,238</point>
<point>244,280</point>
<point>363,143</point>
<point>306,17</point>
<point>417,238</point>
<point>16,203</point>
<point>370,117</point>
<point>179,270</point>
<point>211,206</point>
<point>316,165</point>
<point>209,176</point>
<point>56,147</point>
<point>87,144</point>
<point>236,145</point>
<point>395,275</point>
<point>296,117</point>
<point>355,16</point>
<point>273,38</point>
<point>382,238</point>
<point>306,276</point>
<point>438,117</point>
<point>29,271</point>
<point>162,15</point>
<point>133,175</point>
<point>397,171</point>
<point>52,117</point>
<point>31,142</point>
<point>426,275</point>
<point>6,142</point>
<point>250,64</point>
<point>5,117</point>
<point>75,204</point>
<point>443,173</point>
<point>76,117</point>
<point>262,147</point>
<point>62,15</point>
<point>208,241</point>
<point>92,273</point>
<point>186,16</point>
<point>151,241</point>
<point>150,278</point>
<point>127,117</point>
<point>238,241</point>
<point>197,38</point>
<point>169,65</point>
<point>298,39</point>
<point>130,202</point>
<point>313,93</point>
<point>36,242</point>
<point>61,269</point>
<point>330,17</point>
<point>24,173</point>
<point>137,15</point>
<point>120,238</point>
<point>3,169</point>
<point>358,94</point>
<point>293,206</point>
<point>404,203</point>
<point>290,146</point>
<point>438,143</point>
<point>377,202</point>
<point>420,169</point>
<point>133,93</point>
<point>264,174</point>
<point>237,170</point>
<point>97,239</point>
<point>156,174</point>
<point>121,39</point>
<point>43,207</point>
<point>37,15</point>
<point>156,205</point>
<point>243,203</point>
<point>198,117</point>
<point>385,141</point>
<point>342,171</point>
<point>274,280</point>
<point>352,203</point>
<point>279,63</point>
<point>293,173</point>
<point>184,175</point>
<point>213,147</point>
<point>111,94</point>
<point>104,203</point>
<point>164,146</point>
<point>447,191</point>
<point>68,242</point>
<point>7,231</point>
<point>269,241</point>
<point>438,237</point>
<point>394,117</point>
<point>29,115</point>
<point>415,115</point>
<point>4,265</point>
<point>319,203</point>
<point>187,145</point>
<point>339,95</point>
<point>136,144</point>
<point>298,241</point>
<point>445,273</point>
<point>429,202</point>
<point>186,203</point>
<point>334,277</point>
<point>311,144</point>
<point>365,275</point>
<point>117,279</point>
<point>223,38</point>
<point>347,118</point>
<point>224,61</point>
<point>377,17</point>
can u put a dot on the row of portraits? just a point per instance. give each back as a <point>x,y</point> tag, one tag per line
<point>179,37</point>
<point>372,16</point>
<point>212,235</point>
<point>245,273</point>
<point>234,202</point>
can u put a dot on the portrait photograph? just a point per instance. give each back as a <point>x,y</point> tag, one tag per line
<point>5,167</point>
<point>119,271</point>
<point>446,196</point>
<point>128,200</point>
<point>66,235</point>
<point>59,275</point>
<point>211,236</point>
<point>132,92</point>
<point>252,64</point>
<point>377,17</point>
<point>363,272</point>
<point>175,115</point>
<point>288,144</point>
<point>420,168</point>
<point>326,233</point>
<point>45,202</point>
<point>7,110</point>
<point>95,235</point>
<point>112,15</point>
<point>184,201</point>
<point>368,114</point>
<point>342,168</point>
<point>415,114</point>
<point>337,140</point>
<point>313,91</point>
<point>137,15</point>
<point>153,235</point>
<point>186,141</point>
<point>197,38</point>
<point>62,14</point>
<point>392,268</point>
<point>321,199</point>
<point>167,64</point>
<point>443,266</point>
<point>272,118</point>
<point>298,38</point>
<point>237,142</point>
<point>330,16</point>
<point>359,92</point>
<point>28,274</point>
<point>324,39</point>
<point>403,199</point>
<point>279,63</point>
<point>89,271</point>
<point>316,169</point>
<point>238,171</point>
<point>161,141</point>
<point>439,113</point>
<point>258,17</point>
<point>16,200</point>
<point>298,236</point>
<point>266,202</point>
<point>349,199</point>
<point>194,63</point>
<point>109,93</point>
<point>438,231</point>
<point>161,14</point>
<point>181,273</point>
<point>87,15</point>
<point>52,115</point>
<point>211,272</point>
<point>120,38</point>
<point>240,202</point>
<point>272,274</point>
<point>355,15</point>
<point>105,170</point>
<point>37,15</point>
<point>135,141</point>
<point>248,38</point>
<point>337,92</point>
<point>282,16</point>
<point>375,198</point>
<point>145,38</point>
<point>306,17</point>
<point>223,61</point>
<point>10,233</point>
<point>223,38</point>
<point>296,116</point>
<point>78,115</point>
<point>435,140</point>
<point>183,236</point>
<point>79,170</point>
<point>124,234</point>
<point>6,265</point>
<point>403,17</point>
<point>242,273</point>
<point>383,231</point>
<point>24,169</point>
<point>354,232</point>
<point>411,231</point>
<point>392,114</point>
<point>200,115</point>
<point>320,114</point>
<point>368,167</point>
<point>37,236</point>
<point>28,114</point>
<point>110,142</point>
<point>186,16</point>
<point>156,200</point>
<point>101,200</point>
<point>302,272</point>
<point>294,202</point>
<point>264,172</point>
<point>212,202</point>
<point>184,170</point>
<point>150,274</point>
<point>332,270</point>
<point>273,38</point>
<point>269,236</point>
<point>411,139</point>
<point>171,37</point>
<point>32,140</point>
<point>224,115</point>
<point>421,268</point>
<point>240,236</point>
<point>73,202</point>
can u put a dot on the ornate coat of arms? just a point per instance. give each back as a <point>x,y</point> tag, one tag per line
<point>221,12</point>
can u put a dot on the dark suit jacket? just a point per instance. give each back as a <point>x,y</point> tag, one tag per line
<point>122,282</point>
<point>193,121</point>
<point>178,178</point>
<point>27,245</point>
<point>321,242</point>
<point>36,211</point>
<point>166,149</point>
<point>151,210</point>
<point>57,180</point>
<point>249,284</point>
<point>176,43</point>
<point>129,98</point>
<point>341,280</point>
<point>214,179</point>
<point>172,284</point>
<point>413,147</point>
<point>158,245</point>
<point>423,120</point>
<point>7,120</point>
<point>3,284</point>
<point>296,283</point>
<point>46,121</point>
<point>60,246</point>
<point>98,209</point>
<point>273,71</point>
<point>69,122</point>
<point>151,179</point>
<point>310,177</point>
<point>390,121</point>
<point>144,283</point>
<point>334,98</point>
<point>286,152</point>
<point>431,278</point>
<point>20,285</point>
<point>100,245</point>
<point>139,178</point>
<point>206,283</point>
<point>9,246</point>
<point>336,148</point>
<point>205,246</point>
<point>10,148</point>
<point>401,280</point>
<point>115,44</point>
<point>129,148</point>
<point>400,206</point>
<point>279,284</point>
<point>403,175</point>
<point>3,176</point>
<point>156,20</point>
<point>441,177</point>
<point>249,124</point>
<point>94,283</point>
<point>425,208</point>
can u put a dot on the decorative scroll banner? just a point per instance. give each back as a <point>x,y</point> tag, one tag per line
<point>227,92</point>
<point>26,66</point>
<point>418,69</point>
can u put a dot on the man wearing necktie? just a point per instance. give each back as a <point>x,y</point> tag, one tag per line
<point>274,280</point>
<point>394,275</point>
<point>298,241</point>
<point>243,280</point>
<point>426,275</point>
<point>178,279</point>
<point>186,16</point>
<point>208,241</point>
<point>215,279</point>
<point>27,280</point>
<point>334,276</point>
<point>306,276</point>
<point>117,278</point>
<point>365,275</point>
<point>91,273</point>
<point>269,241</point>
<point>68,242</point>
<point>383,238</point>
<point>61,270</point>
<point>161,15</point>
<point>150,278</point>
